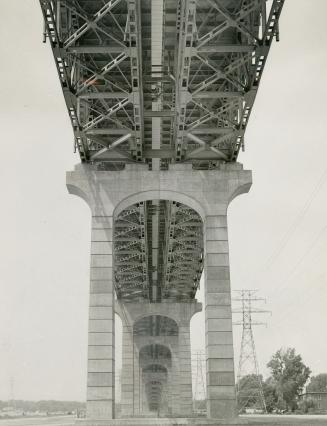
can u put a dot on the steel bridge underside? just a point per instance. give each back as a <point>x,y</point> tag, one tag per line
<point>155,83</point>
<point>158,252</point>
<point>159,82</point>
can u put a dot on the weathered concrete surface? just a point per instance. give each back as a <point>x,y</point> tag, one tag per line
<point>179,375</point>
<point>101,339</point>
<point>209,193</point>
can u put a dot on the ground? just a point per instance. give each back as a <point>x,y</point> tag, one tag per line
<point>255,420</point>
<point>271,419</point>
<point>42,421</point>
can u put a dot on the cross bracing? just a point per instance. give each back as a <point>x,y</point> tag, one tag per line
<point>158,252</point>
<point>160,81</point>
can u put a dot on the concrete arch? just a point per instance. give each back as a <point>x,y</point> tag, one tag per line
<point>151,367</point>
<point>160,195</point>
<point>139,316</point>
<point>155,372</point>
<point>151,354</point>
<point>169,310</point>
<point>153,322</point>
<point>154,390</point>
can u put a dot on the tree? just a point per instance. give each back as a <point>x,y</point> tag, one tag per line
<point>270,393</point>
<point>289,374</point>
<point>307,404</point>
<point>318,383</point>
<point>249,392</point>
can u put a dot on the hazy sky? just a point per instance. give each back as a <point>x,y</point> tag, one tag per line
<point>278,232</point>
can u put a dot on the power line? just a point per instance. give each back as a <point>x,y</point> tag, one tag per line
<point>297,221</point>
<point>249,384</point>
<point>292,273</point>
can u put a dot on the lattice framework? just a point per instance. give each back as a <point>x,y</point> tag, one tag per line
<point>192,105</point>
<point>158,252</point>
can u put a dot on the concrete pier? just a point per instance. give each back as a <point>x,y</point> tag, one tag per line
<point>101,339</point>
<point>164,327</point>
<point>157,365</point>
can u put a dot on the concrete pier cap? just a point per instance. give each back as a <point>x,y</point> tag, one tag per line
<point>179,312</point>
<point>207,192</point>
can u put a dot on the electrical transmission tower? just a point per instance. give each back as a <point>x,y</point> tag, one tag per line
<point>199,382</point>
<point>249,383</point>
<point>200,389</point>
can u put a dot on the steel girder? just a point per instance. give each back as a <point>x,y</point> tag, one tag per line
<point>130,254</point>
<point>223,68</point>
<point>98,54</point>
<point>173,270</point>
<point>213,56</point>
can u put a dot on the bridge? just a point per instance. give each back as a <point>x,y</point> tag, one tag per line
<point>159,94</point>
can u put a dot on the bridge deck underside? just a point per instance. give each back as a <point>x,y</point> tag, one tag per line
<point>158,252</point>
<point>160,81</point>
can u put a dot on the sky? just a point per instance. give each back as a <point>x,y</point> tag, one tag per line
<point>277,232</point>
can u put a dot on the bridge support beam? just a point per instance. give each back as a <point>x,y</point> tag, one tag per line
<point>128,370</point>
<point>209,193</point>
<point>101,339</point>
<point>185,369</point>
<point>221,398</point>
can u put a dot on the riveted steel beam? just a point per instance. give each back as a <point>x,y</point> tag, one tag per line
<point>133,36</point>
<point>186,28</point>
<point>89,24</point>
<point>195,70</point>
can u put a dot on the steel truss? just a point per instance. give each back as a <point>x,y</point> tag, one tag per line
<point>213,56</point>
<point>173,271</point>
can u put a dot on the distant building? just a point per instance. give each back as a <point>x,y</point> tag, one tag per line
<point>320,399</point>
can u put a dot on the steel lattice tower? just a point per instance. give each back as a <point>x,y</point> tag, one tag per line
<point>199,387</point>
<point>249,385</point>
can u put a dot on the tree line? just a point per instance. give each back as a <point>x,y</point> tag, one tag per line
<point>282,390</point>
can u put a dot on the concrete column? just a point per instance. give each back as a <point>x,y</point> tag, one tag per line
<point>221,398</point>
<point>101,340</point>
<point>185,369</point>
<point>174,377</point>
<point>127,383</point>
<point>209,193</point>
<point>137,383</point>
<point>170,391</point>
